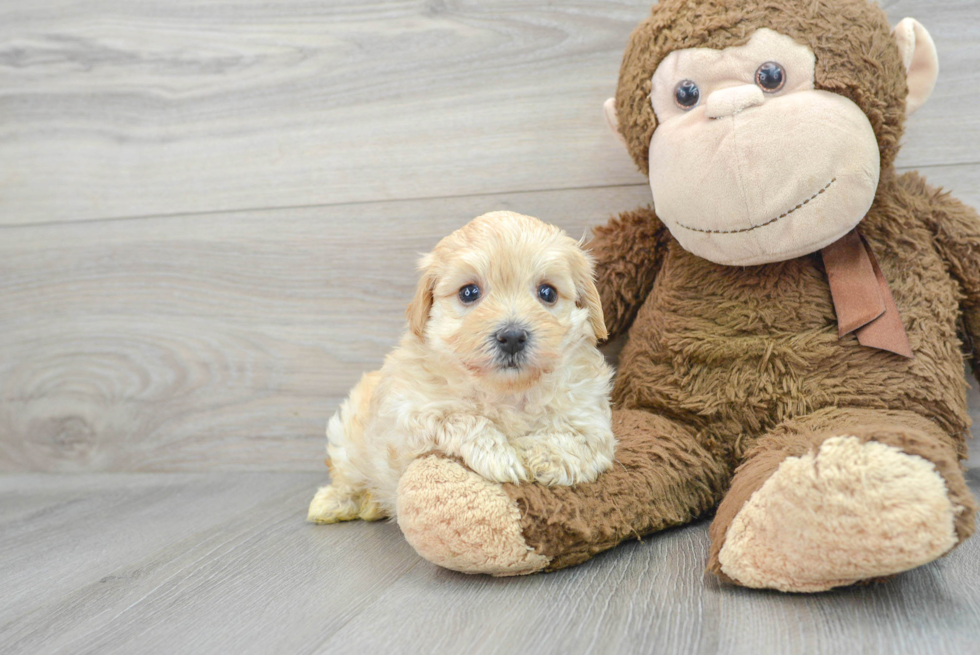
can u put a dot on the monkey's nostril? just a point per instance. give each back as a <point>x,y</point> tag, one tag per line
<point>511,340</point>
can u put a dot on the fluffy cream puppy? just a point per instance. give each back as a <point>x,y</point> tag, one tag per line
<point>499,367</point>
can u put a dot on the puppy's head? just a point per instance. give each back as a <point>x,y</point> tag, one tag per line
<point>504,296</point>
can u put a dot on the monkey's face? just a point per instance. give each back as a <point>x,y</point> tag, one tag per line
<point>751,164</point>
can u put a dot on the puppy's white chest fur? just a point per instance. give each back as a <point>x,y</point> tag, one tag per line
<point>514,414</point>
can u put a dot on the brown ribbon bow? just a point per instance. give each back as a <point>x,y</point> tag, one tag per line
<point>862,300</point>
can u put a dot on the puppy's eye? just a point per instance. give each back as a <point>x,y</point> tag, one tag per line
<point>687,94</point>
<point>547,294</point>
<point>770,76</point>
<point>469,294</point>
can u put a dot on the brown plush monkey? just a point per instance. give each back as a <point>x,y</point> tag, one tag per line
<point>803,378</point>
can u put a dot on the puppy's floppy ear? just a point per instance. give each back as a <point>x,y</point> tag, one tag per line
<point>586,293</point>
<point>418,310</point>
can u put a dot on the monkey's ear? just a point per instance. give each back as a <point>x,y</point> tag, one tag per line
<point>609,109</point>
<point>418,310</point>
<point>920,59</point>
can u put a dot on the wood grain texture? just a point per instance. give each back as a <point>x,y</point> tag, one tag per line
<point>223,563</point>
<point>126,108</point>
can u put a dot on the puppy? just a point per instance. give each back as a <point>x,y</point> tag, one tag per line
<point>499,367</point>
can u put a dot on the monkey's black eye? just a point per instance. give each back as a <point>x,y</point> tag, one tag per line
<point>687,94</point>
<point>770,76</point>
<point>469,294</point>
<point>547,294</point>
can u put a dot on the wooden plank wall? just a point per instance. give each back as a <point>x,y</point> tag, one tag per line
<point>209,212</point>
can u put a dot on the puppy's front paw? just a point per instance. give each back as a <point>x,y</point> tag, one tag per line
<point>551,466</point>
<point>495,462</point>
<point>548,467</point>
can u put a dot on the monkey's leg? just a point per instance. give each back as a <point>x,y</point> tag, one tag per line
<point>842,496</point>
<point>662,476</point>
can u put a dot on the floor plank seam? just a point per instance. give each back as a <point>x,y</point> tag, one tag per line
<point>381,201</point>
<point>328,205</point>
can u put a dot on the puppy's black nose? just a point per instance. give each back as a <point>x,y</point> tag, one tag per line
<point>511,339</point>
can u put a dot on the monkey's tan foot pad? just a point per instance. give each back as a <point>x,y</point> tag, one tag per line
<point>460,521</point>
<point>850,512</point>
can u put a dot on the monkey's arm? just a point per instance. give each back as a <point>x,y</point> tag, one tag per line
<point>628,252</point>
<point>956,232</point>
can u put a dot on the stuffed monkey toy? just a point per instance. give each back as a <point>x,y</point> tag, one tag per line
<point>795,312</point>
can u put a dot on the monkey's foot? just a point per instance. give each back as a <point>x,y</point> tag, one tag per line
<point>852,511</point>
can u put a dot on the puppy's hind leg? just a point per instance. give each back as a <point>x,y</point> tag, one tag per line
<point>335,503</point>
<point>346,498</point>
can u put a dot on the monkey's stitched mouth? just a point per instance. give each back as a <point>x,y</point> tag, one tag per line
<point>769,222</point>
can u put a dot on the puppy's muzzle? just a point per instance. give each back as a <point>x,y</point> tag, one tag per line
<point>511,339</point>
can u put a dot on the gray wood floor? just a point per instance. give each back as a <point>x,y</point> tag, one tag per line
<point>209,215</point>
<point>224,563</point>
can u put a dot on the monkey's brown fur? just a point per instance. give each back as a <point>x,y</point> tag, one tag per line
<point>731,367</point>
<point>730,370</point>
<point>726,363</point>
